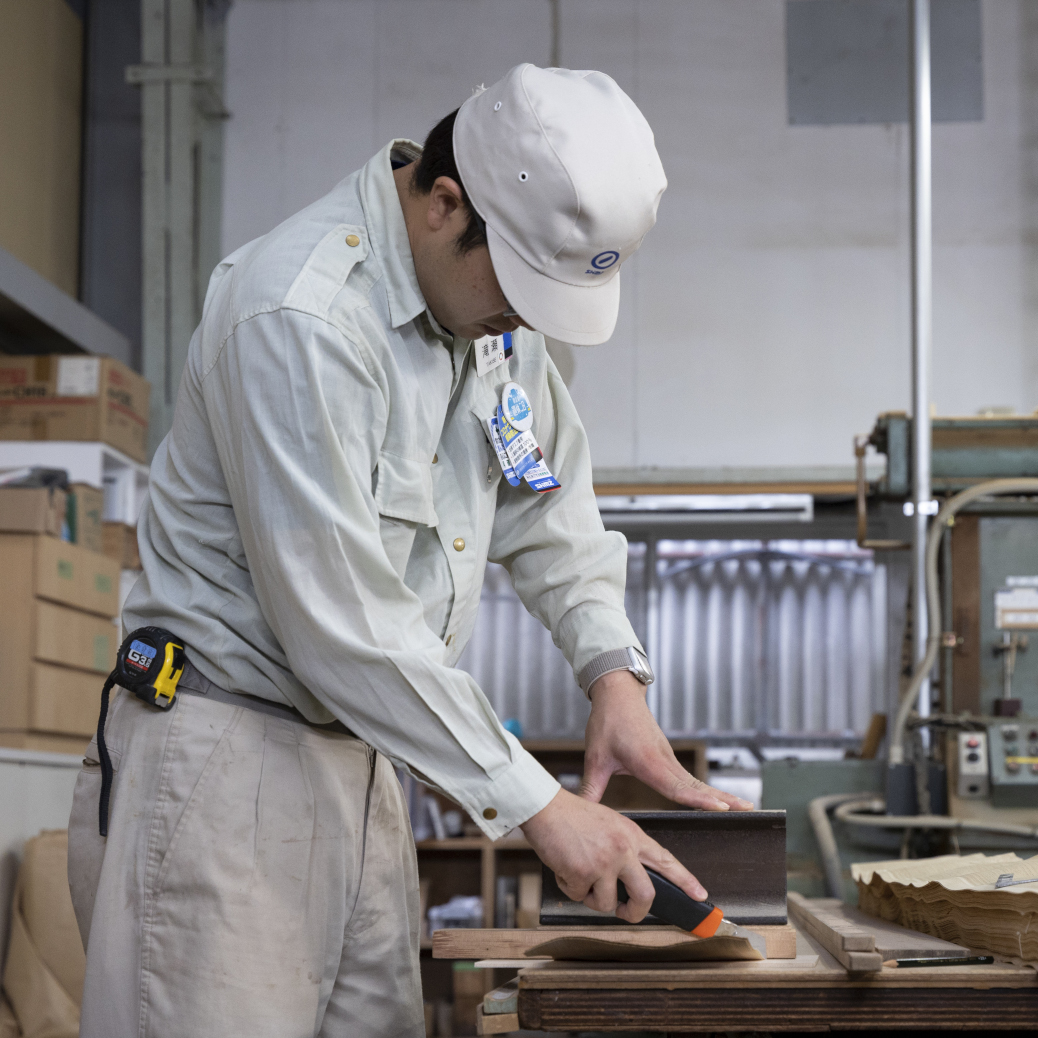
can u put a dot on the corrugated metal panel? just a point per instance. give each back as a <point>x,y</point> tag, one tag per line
<point>512,657</point>
<point>747,638</point>
<point>769,639</point>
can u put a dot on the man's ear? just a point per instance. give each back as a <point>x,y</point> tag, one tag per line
<point>444,201</point>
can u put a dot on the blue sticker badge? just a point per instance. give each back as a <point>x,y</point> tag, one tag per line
<point>516,406</point>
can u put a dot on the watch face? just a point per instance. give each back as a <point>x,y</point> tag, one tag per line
<point>640,667</point>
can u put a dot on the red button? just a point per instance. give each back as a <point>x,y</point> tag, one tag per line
<point>973,743</point>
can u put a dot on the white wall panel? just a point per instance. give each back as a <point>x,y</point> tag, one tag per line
<point>766,319</point>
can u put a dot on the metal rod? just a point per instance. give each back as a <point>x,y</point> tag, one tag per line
<point>947,624</point>
<point>652,623</point>
<point>922,326</point>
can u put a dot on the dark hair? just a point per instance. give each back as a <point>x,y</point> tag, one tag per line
<point>438,161</point>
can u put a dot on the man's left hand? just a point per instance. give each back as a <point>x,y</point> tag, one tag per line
<point>623,738</point>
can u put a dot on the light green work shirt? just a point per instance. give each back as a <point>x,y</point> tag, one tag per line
<point>321,513</point>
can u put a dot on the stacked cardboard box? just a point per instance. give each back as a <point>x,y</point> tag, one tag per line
<point>57,641</point>
<point>86,516</point>
<point>470,985</point>
<point>119,542</point>
<point>75,515</point>
<point>33,510</point>
<point>79,397</point>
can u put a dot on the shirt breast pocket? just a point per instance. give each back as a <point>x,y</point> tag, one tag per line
<point>404,499</point>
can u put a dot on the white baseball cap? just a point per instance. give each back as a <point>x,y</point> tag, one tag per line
<point>562,167</point>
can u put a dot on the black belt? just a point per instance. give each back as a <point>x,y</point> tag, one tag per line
<point>195,683</point>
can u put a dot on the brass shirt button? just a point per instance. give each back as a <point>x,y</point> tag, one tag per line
<point>352,241</point>
<point>490,814</point>
<point>450,638</point>
<point>436,458</point>
<point>459,543</point>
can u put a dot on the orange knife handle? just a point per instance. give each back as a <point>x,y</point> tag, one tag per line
<point>708,927</point>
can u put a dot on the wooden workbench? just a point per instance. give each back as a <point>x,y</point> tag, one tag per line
<point>810,993</point>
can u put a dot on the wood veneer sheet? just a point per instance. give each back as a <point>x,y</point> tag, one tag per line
<point>595,949</point>
<point>955,898</point>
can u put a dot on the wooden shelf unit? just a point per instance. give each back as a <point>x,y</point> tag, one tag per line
<point>449,864</point>
<point>471,864</point>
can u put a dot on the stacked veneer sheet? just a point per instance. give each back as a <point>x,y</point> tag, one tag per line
<point>955,898</point>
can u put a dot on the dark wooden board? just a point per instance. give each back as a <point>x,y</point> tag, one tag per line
<point>775,997</point>
<point>786,1008</point>
<point>739,856</point>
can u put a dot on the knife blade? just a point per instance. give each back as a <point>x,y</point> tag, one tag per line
<point>699,918</point>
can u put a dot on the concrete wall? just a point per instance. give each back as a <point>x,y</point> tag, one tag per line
<point>766,319</point>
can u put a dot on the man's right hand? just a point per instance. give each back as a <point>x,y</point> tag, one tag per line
<point>589,847</point>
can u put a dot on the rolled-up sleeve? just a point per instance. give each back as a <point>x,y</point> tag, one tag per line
<point>568,570</point>
<point>298,411</point>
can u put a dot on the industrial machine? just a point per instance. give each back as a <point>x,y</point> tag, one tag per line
<point>983,592</point>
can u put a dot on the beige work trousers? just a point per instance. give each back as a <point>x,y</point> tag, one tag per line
<point>259,879</point>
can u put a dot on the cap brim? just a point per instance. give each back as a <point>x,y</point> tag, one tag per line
<point>577,314</point>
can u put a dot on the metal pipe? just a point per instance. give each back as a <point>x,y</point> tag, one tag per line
<point>818,812</point>
<point>922,327</point>
<point>849,813</point>
<point>947,625</point>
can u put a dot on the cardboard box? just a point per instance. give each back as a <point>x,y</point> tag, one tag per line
<point>33,510</point>
<point>57,700</point>
<point>86,513</point>
<point>71,638</point>
<point>41,743</point>
<point>78,397</point>
<point>53,662</point>
<point>35,566</point>
<point>120,545</point>
<point>470,985</point>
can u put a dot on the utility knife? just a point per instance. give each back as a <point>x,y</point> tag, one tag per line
<point>699,918</point>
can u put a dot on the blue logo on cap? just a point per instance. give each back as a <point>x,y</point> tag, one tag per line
<point>603,261</point>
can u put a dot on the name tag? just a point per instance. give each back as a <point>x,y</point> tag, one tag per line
<point>492,351</point>
<point>499,450</point>
<point>540,478</point>
<point>521,447</point>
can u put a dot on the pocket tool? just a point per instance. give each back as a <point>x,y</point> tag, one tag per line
<point>149,664</point>
<point>699,918</point>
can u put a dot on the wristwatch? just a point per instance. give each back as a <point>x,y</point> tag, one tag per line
<point>631,659</point>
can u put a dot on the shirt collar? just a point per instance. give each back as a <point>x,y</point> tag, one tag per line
<point>388,231</point>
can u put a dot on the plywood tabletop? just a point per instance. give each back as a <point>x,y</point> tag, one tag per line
<point>813,967</point>
<point>513,944</point>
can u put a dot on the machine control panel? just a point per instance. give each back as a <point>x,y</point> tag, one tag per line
<point>973,766</point>
<point>1013,749</point>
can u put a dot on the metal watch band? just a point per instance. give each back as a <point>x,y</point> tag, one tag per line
<point>615,659</point>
